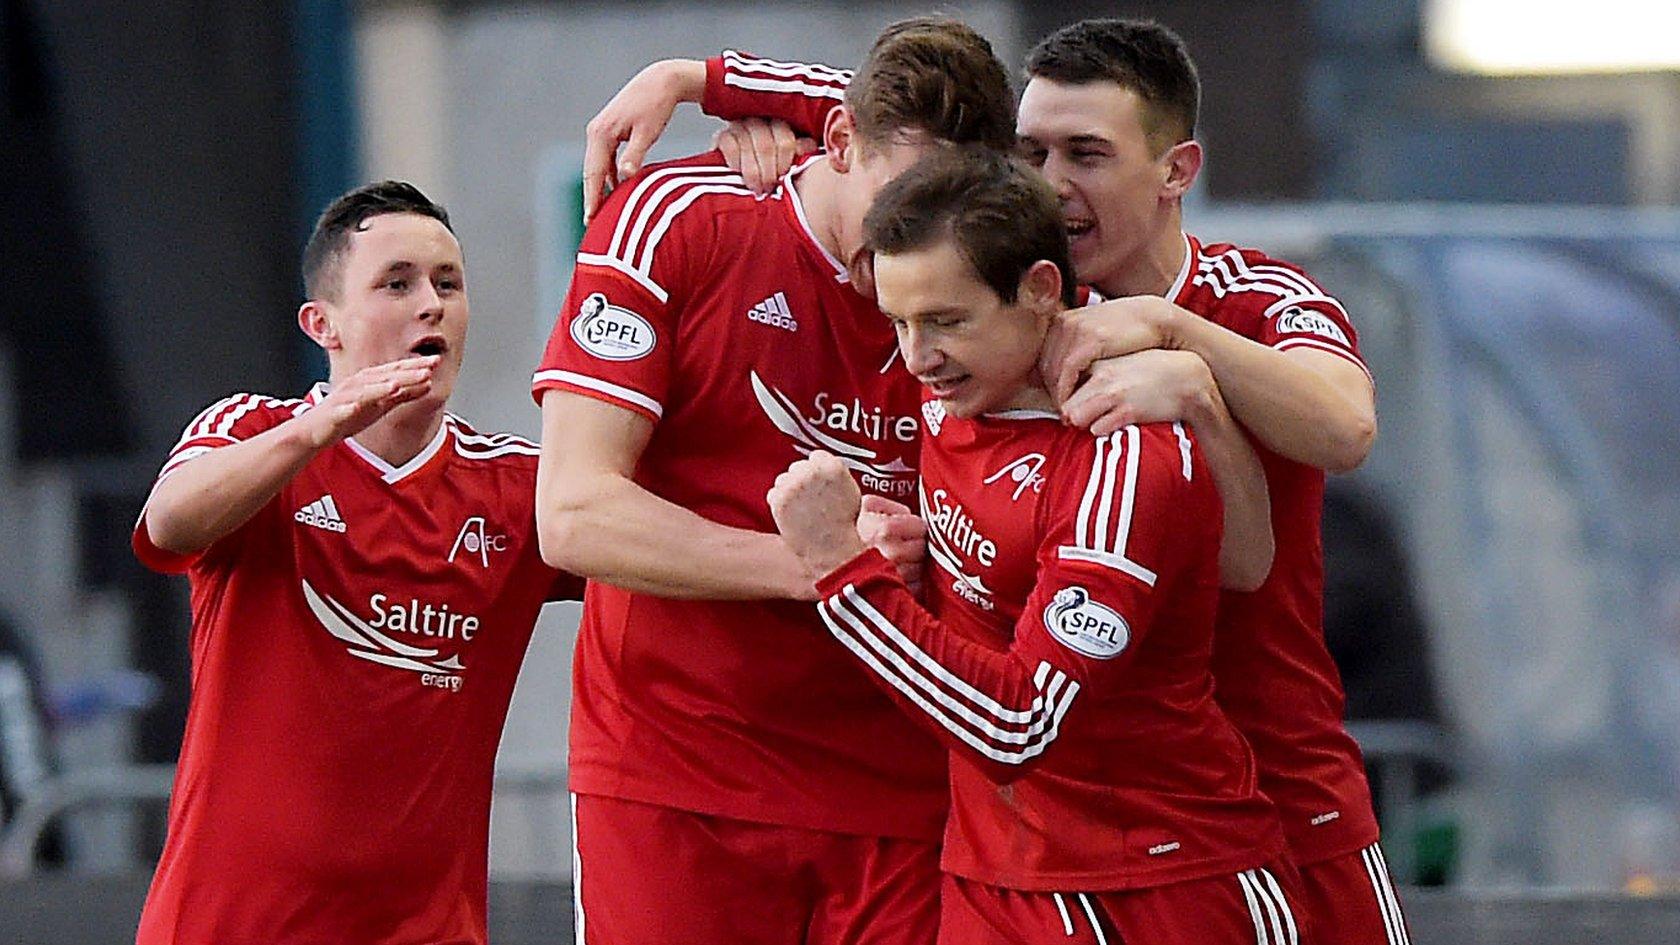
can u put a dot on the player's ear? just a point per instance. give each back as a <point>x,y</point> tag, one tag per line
<point>1183,163</point>
<point>839,138</point>
<point>1040,288</point>
<point>317,323</point>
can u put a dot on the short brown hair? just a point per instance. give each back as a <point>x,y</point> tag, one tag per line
<point>323,255</point>
<point>1001,215</point>
<point>935,75</point>
<point>1139,55</point>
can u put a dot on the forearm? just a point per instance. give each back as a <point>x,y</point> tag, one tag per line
<point>207,498</point>
<point>607,528</point>
<point>1247,546</point>
<point>1321,417</point>
<point>738,86</point>
<point>996,707</point>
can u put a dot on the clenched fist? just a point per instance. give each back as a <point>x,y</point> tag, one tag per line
<point>815,504</point>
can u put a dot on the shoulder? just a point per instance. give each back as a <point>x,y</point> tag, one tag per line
<point>241,416</point>
<point>674,193</point>
<point>1117,461</point>
<point>1242,275</point>
<point>687,206</point>
<point>493,452</point>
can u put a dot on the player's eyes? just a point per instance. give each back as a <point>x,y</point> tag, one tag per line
<point>396,285</point>
<point>1034,156</point>
<point>1086,155</point>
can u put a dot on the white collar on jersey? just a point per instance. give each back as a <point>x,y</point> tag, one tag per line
<point>840,273</point>
<point>1184,270</point>
<point>1024,413</point>
<point>386,471</point>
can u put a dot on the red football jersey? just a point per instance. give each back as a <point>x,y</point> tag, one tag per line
<point>719,316</point>
<point>1073,586</point>
<point>1277,680</point>
<point>354,649</point>
<point>1276,676</point>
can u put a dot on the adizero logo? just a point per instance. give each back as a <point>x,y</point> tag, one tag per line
<point>322,513</point>
<point>774,312</point>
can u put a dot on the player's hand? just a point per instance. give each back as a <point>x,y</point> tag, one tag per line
<point>358,401</point>
<point>1152,386</point>
<point>898,533</point>
<point>634,118</point>
<point>1081,337</point>
<point>815,505</point>
<point>761,149</point>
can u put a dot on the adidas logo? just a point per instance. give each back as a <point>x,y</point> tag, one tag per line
<point>322,513</point>
<point>773,311</point>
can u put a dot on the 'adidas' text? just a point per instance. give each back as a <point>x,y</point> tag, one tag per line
<point>774,312</point>
<point>322,513</point>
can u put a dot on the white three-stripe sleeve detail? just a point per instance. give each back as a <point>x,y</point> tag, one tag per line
<point>809,89</point>
<point>1283,906</point>
<point>1260,937</point>
<point>1389,895</point>
<point>1081,534</point>
<point>634,207</point>
<point>577,881</point>
<point>1377,893</point>
<point>606,387</point>
<point>855,635</point>
<point>1183,449</point>
<point>853,603</point>
<point>738,61</point>
<point>1098,539</point>
<point>1128,494</point>
<point>1067,920</point>
<point>1272,917</point>
<point>1091,915</point>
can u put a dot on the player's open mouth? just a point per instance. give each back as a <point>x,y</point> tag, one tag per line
<point>1077,228</point>
<point>943,387</point>
<point>426,347</point>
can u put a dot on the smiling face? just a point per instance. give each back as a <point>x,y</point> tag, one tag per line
<point>401,291</point>
<point>969,347</point>
<point>1119,193</point>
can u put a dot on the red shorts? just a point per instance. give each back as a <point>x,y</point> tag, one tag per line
<point>1254,907</point>
<point>649,875</point>
<point>1349,899</point>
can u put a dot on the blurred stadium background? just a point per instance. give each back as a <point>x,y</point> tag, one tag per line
<point>1493,187</point>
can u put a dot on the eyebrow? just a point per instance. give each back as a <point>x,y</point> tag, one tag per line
<point>404,264</point>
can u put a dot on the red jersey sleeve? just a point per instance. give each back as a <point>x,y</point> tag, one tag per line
<point>801,94</point>
<point>1305,316</point>
<point>1143,509</point>
<point>616,334</point>
<point>223,423</point>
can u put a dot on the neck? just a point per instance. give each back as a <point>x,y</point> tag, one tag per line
<point>1033,395</point>
<point>818,187</point>
<point>1154,270</point>
<point>400,435</point>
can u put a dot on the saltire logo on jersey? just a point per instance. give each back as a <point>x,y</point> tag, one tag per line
<point>951,537</point>
<point>1086,626</point>
<point>366,641</point>
<point>1296,320</point>
<point>611,332</point>
<point>807,436</point>
<point>1024,473</point>
<point>774,312</point>
<point>322,513</point>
